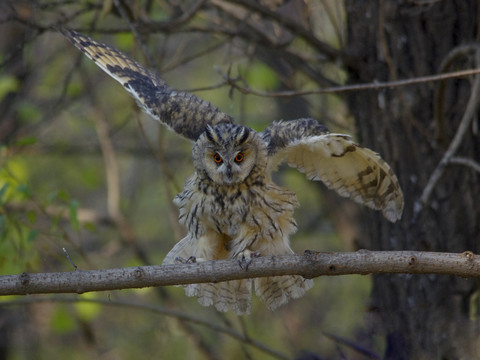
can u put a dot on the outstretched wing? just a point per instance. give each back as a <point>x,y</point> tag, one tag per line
<point>185,113</point>
<point>344,166</point>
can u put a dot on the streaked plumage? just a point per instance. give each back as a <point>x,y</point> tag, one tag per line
<point>230,205</point>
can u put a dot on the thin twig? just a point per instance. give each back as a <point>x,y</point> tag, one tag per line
<point>357,87</point>
<point>69,258</point>
<point>192,57</point>
<point>170,24</point>
<point>356,347</point>
<point>133,28</point>
<point>464,50</point>
<point>458,160</point>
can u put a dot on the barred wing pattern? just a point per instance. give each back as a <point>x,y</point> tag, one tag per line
<point>335,159</point>
<point>184,113</point>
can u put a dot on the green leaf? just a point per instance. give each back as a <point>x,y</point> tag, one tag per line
<point>90,227</point>
<point>87,310</point>
<point>32,216</point>
<point>54,223</point>
<point>24,190</point>
<point>8,84</point>
<point>28,140</point>
<point>124,41</point>
<point>29,113</point>
<point>75,89</point>
<point>3,227</point>
<point>3,190</point>
<point>474,307</point>
<point>62,322</point>
<point>32,235</point>
<point>63,195</point>
<point>260,76</point>
<point>58,195</point>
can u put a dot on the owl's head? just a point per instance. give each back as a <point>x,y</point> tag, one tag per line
<point>226,153</point>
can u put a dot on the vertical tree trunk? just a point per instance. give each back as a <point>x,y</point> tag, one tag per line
<point>423,317</point>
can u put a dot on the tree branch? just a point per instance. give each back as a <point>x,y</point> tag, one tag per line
<point>309,265</point>
<point>234,83</point>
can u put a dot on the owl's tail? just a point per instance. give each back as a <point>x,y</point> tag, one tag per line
<point>236,295</point>
<point>279,290</point>
<point>233,295</point>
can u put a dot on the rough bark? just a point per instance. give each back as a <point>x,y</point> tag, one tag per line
<point>310,265</point>
<point>422,316</point>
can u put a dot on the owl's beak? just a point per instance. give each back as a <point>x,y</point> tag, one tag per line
<point>229,173</point>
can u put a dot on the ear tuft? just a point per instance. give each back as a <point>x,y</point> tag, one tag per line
<point>243,135</point>
<point>211,135</point>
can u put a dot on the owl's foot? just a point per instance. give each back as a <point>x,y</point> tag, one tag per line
<point>190,260</point>
<point>244,259</point>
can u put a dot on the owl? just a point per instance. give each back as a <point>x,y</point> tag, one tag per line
<point>230,206</point>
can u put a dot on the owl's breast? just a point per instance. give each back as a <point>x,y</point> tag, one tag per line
<point>245,208</point>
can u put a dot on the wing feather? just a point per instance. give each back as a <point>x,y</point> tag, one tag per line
<point>341,164</point>
<point>184,113</point>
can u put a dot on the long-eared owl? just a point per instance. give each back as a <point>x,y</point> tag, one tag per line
<point>230,205</point>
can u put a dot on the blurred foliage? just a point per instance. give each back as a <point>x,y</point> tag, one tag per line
<point>8,83</point>
<point>54,192</point>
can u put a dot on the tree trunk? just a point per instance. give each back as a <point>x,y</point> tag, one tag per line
<point>423,317</point>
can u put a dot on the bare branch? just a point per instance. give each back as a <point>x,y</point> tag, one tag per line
<point>346,88</point>
<point>310,265</point>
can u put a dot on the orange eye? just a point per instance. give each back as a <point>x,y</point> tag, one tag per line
<point>239,157</point>
<point>218,159</point>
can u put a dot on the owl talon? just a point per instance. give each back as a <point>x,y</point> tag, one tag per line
<point>243,262</point>
<point>190,260</point>
<point>244,259</point>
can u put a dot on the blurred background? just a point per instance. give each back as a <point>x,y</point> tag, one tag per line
<point>83,169</point>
